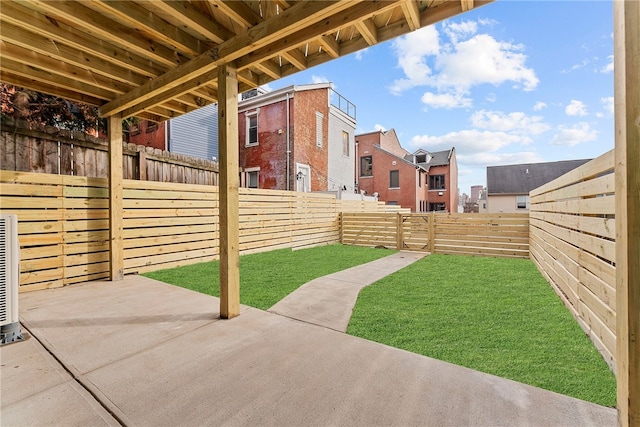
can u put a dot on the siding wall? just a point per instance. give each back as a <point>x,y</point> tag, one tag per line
<point>195,134</point>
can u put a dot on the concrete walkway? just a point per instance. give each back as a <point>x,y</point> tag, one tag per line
<point>142,353</point>
<point>328,301</point>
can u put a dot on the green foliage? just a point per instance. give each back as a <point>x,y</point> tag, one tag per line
<point>267,277</point>
<point>495,315</point>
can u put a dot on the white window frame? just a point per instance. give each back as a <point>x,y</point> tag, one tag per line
<point>249,116</point>
<point>248,172</point>
<point>522,200</point>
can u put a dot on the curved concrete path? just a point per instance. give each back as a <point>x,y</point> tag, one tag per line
<point>329,300</point>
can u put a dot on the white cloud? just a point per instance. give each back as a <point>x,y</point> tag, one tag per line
<point>319,79</point>
<point>607,106</point>
<point>267,88</point>
<point>539,106</point>
<point>457,30</point>
<point>576,108</point>
<point>445,100</point>
<point>492,97</point>
<point>461,60</point>
<point>468,142</point>
<point>516,122</point>
<point>358,55</point>
<point>412,51</point>
<point>494,159</point>
<point>483,59</point>
<point>379,127</point>
<point>574,135</point>
<point>609,67</point>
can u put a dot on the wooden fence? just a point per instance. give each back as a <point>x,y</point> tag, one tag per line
<point>503,235</point>
<point>573,245</point>
<point>64,227</point>
<point>55,151</point>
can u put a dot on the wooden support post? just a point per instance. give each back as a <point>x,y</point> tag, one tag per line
<point>432,232</point>
<point>399,224</point>
<point>228,175</point>
<point>116,248</point>
<point>627,170</point>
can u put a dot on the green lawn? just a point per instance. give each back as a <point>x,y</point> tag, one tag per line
<point>267,277</point>
<point>495,315</point>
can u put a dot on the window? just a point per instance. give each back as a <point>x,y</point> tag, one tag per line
<point>394,179</point>
<point>252,179</point>
<point>151,126</point>
<point>252,128</point>
<point>437,207</point>
<point>345,143</point>
<point>366,166</point>
<point>134,129</point>
<point>319,119</point>
<point>436,182</point>
<point>522,202</point>
<point>419,179</point>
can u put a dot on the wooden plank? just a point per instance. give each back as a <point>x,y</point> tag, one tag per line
<point>139,269</point>
<point>627,152</point>
<point>134,265</point>
<point>205,239</point>
<point>589,170</point>
<point>116,258</point>
<point>604,184</point>
<point>603,227</point>
<point>30,190</point>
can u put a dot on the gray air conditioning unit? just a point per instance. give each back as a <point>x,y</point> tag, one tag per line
<point>9,277</point>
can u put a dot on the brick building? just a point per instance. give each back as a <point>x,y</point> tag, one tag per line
<point>421,181</point>
<point>297,138</point>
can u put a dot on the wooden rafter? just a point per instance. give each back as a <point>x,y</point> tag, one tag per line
<point>239,12</point>
<point>368,31</point>
<point>187,74</point>
<point>194,20</point>
<point>412,14</point>
<point>143,57</point>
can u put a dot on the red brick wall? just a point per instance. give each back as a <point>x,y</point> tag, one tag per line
<point>405,195</point>
<point>434,194</point>
<point>143,133</point>
<point>305,105</point>
<point>270,155</point>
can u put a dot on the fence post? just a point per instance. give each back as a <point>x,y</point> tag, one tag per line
<point>432,232</point>
<point>341,225</point>
<point>399,242</point>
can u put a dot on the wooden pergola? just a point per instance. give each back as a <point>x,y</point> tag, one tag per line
<point>158,59</point>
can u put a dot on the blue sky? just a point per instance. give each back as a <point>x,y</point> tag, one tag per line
<point>510,82</point>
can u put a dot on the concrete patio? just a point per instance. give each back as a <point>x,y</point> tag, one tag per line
<point>140,352</point>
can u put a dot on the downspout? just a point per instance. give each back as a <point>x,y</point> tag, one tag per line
<point>288,149</point>
<point>356,182</point>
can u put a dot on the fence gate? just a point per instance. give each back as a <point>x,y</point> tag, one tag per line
<point>415,232</point>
